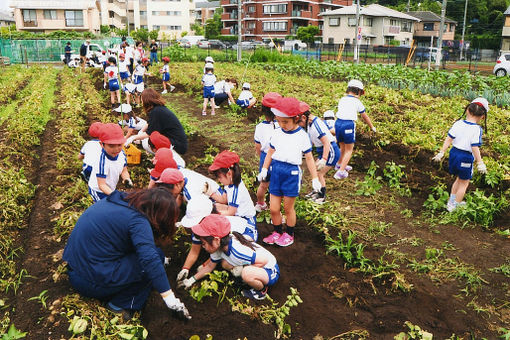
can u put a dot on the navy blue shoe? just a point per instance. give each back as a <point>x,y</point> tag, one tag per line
<point>255,294</point>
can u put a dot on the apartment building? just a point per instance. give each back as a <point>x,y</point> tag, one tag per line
<point>505,41</point>
<point>268,19</point>
<point>6,19</point>
<point>428,28</point>
<point>205,11</point>
<point>379,25</point>
<point>171,17</point>
<point>52,15</point>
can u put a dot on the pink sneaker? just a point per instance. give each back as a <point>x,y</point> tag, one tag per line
<point>285,240</point>
<point>341,174</point>
<point>347,167</point>
<point>260,207</point>
<point>271,239</point>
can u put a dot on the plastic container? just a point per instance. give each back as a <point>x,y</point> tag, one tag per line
<point>134,155</point>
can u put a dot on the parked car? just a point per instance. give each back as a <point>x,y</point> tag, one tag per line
<point>93,50</point>
<point>192,39</point>
<point>245,45</point>
<point>217,44</point>
<point>203,43</point>
<point>184,43</point>
<point>423,53</point>
<point>289,45</point>
<point>502,67</point>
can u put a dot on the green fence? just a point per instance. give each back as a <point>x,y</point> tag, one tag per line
<point>21,51</point>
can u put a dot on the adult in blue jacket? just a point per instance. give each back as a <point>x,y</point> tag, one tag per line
<point>112,255</point>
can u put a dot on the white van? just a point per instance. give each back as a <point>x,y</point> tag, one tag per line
<point>193,39</point>
<point>290,45</point>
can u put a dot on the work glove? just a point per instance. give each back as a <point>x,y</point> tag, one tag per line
<point>316,184</point>
<point>183,274</point>
<point>262,175</point>
<point>128,182</point>
<point>438,156</point>
<point>176,306</point>
<point>481,167</point>
<point>320,164</point>
<point>208,190</point>
<point>374,129</point>
<point>104,86</point>
<point>237,270</point>
<point>129,141</point>
<point>187,283</point>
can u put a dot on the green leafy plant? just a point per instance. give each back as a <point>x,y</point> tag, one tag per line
<point>41,298</point>
<point>13,334</point>
<point>371,184</point>
<point>503,269</point>
<point>413,332</point>
<point>394,173</point>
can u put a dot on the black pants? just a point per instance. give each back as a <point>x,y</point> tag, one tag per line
<point>130,66</point>
<point>220,98</point>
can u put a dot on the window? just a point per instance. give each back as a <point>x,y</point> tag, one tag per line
<point>251,9</point>
<point>50,14</point>
<point>250,25</point>
<point>334,21</point>
<point>351,22</point>
<point>272,9</point>
<point>387,40</point>
<point>155,13</point>
<point>331,40</point>
<point>393,22</point>
<point>406,26</point>
<point>274,26</point>
<point>144,26</point>
<point>369,22</point>
<point>428,26</point>
<point>111,14</point>
<point>143,13</point>
<point>321,26</point>
<point>156,27</point>
<point>29,16</point>
<point>74,18</point>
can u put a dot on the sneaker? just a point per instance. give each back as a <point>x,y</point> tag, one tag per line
<point>260,207</point>
<point>285,240</point>
<point>319,199</point>
<point>312,194</point>
<point>348,168</point>
<point>167,261</point>
<point>451,205</point>
<point>172,88</point>
<point>341,174</point>
<point>127,315</point>
<point>271,239</point>
<point>164,92</point>
<point>255,294</point>
<point>204,113</point>
<point>213,113</point>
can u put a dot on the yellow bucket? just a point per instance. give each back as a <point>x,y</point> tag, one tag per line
<point>134,155</point>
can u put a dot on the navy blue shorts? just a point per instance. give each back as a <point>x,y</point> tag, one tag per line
<point>166,76</point>
<point>285,179</point>
<point>273,273</point>
<point>345,131</point>
<point>334,154</point>
<point>208,91</point>
<point>137,79</point>
<point>124,75</point>
<point>113,84</point>
<point>244,103</point>
<point>460,163</point>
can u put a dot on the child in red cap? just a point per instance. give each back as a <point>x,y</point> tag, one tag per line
<point>111,164</point>
<point>123,68</point>
<point>236,200</point>
<point>162,160</point>
<point>111,76</point>
<point>165,72</point>
<point>263,132</point>
<point>91,150</point>
<point>254,264</point>
<point>139,72</point>
<point>285,155</point>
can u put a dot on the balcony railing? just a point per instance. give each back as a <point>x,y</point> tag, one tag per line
<point>391,30</point>
<point>31,23</point>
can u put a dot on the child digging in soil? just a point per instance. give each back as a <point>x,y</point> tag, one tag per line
<point>131,124</point>
<point>208,80</point>
<point>466,138</point>
<point>345,126</point>
<point>111,163</point>
<point>111,77</point>
<point>246,99</point>
<point>287,146</point>
<point>256,266</point>
<point>263,132</point>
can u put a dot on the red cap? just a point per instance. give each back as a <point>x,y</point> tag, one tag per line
<point>159,141</point>
<point>224,159</point>
<point>213,225</point>
<point>166,59</point>
<point>95,129</point>
<point>287,107</point>
<point>163,159</point>
<point>303,107</point>
<point>122,55</point>
<point>271,98</point>
<point>112,133</point>
<point>144,60</point>
<point>170,176</point>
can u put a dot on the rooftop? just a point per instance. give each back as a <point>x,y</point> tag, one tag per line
<point>207,4</point>
<point>373,10</point>
<point>429,16</point>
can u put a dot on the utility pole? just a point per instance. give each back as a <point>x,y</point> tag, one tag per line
<point>463,30</point>
<point>440,39</point>
<point>127,17</point>
<point>408,5</point>
<point>239,33</point>
<point>356,57</point>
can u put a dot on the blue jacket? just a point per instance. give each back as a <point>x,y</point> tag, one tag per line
<point>112,245</point>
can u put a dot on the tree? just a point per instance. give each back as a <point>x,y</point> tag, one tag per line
<point>307,34</point>
<point>105,29</point>
<point>198,29</point>
<point>213,26</point>
<point>154,34</point>
<point>141,34</point>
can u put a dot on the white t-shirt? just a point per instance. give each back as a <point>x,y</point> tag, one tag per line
<point>109,168</point>
<point>130,87</point>
<point>194,183</point>
<point>241,255</point>
<point>91,151</point>
<point>123,66</point>
<point>223,87</point>
<point>111,72</point>
<point>239,197</point>
<point>318,129</point>
<point>166,68</point>
<point>349,107</point>
<point>465,135</point>
<point>132,124</point>
<point>129,54</point>
<point>208,79</point>
<point>290,145</point>
<point>263,132</point>
<point>139,70</point>
<point>245,94</point>
<point>240,224</point>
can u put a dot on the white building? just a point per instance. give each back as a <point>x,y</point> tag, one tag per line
<point>171,17</point>
<point>379,25</point>
<point>6,19</point>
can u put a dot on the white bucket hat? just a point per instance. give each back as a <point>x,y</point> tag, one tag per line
<point>355,83</point>
<point>209,59</point>
<point>329,114</point>
<point>209,65</point>
<point>482,102</point>
<point>246,86</point>
<point>198,208</point>
<point>124,108</point>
